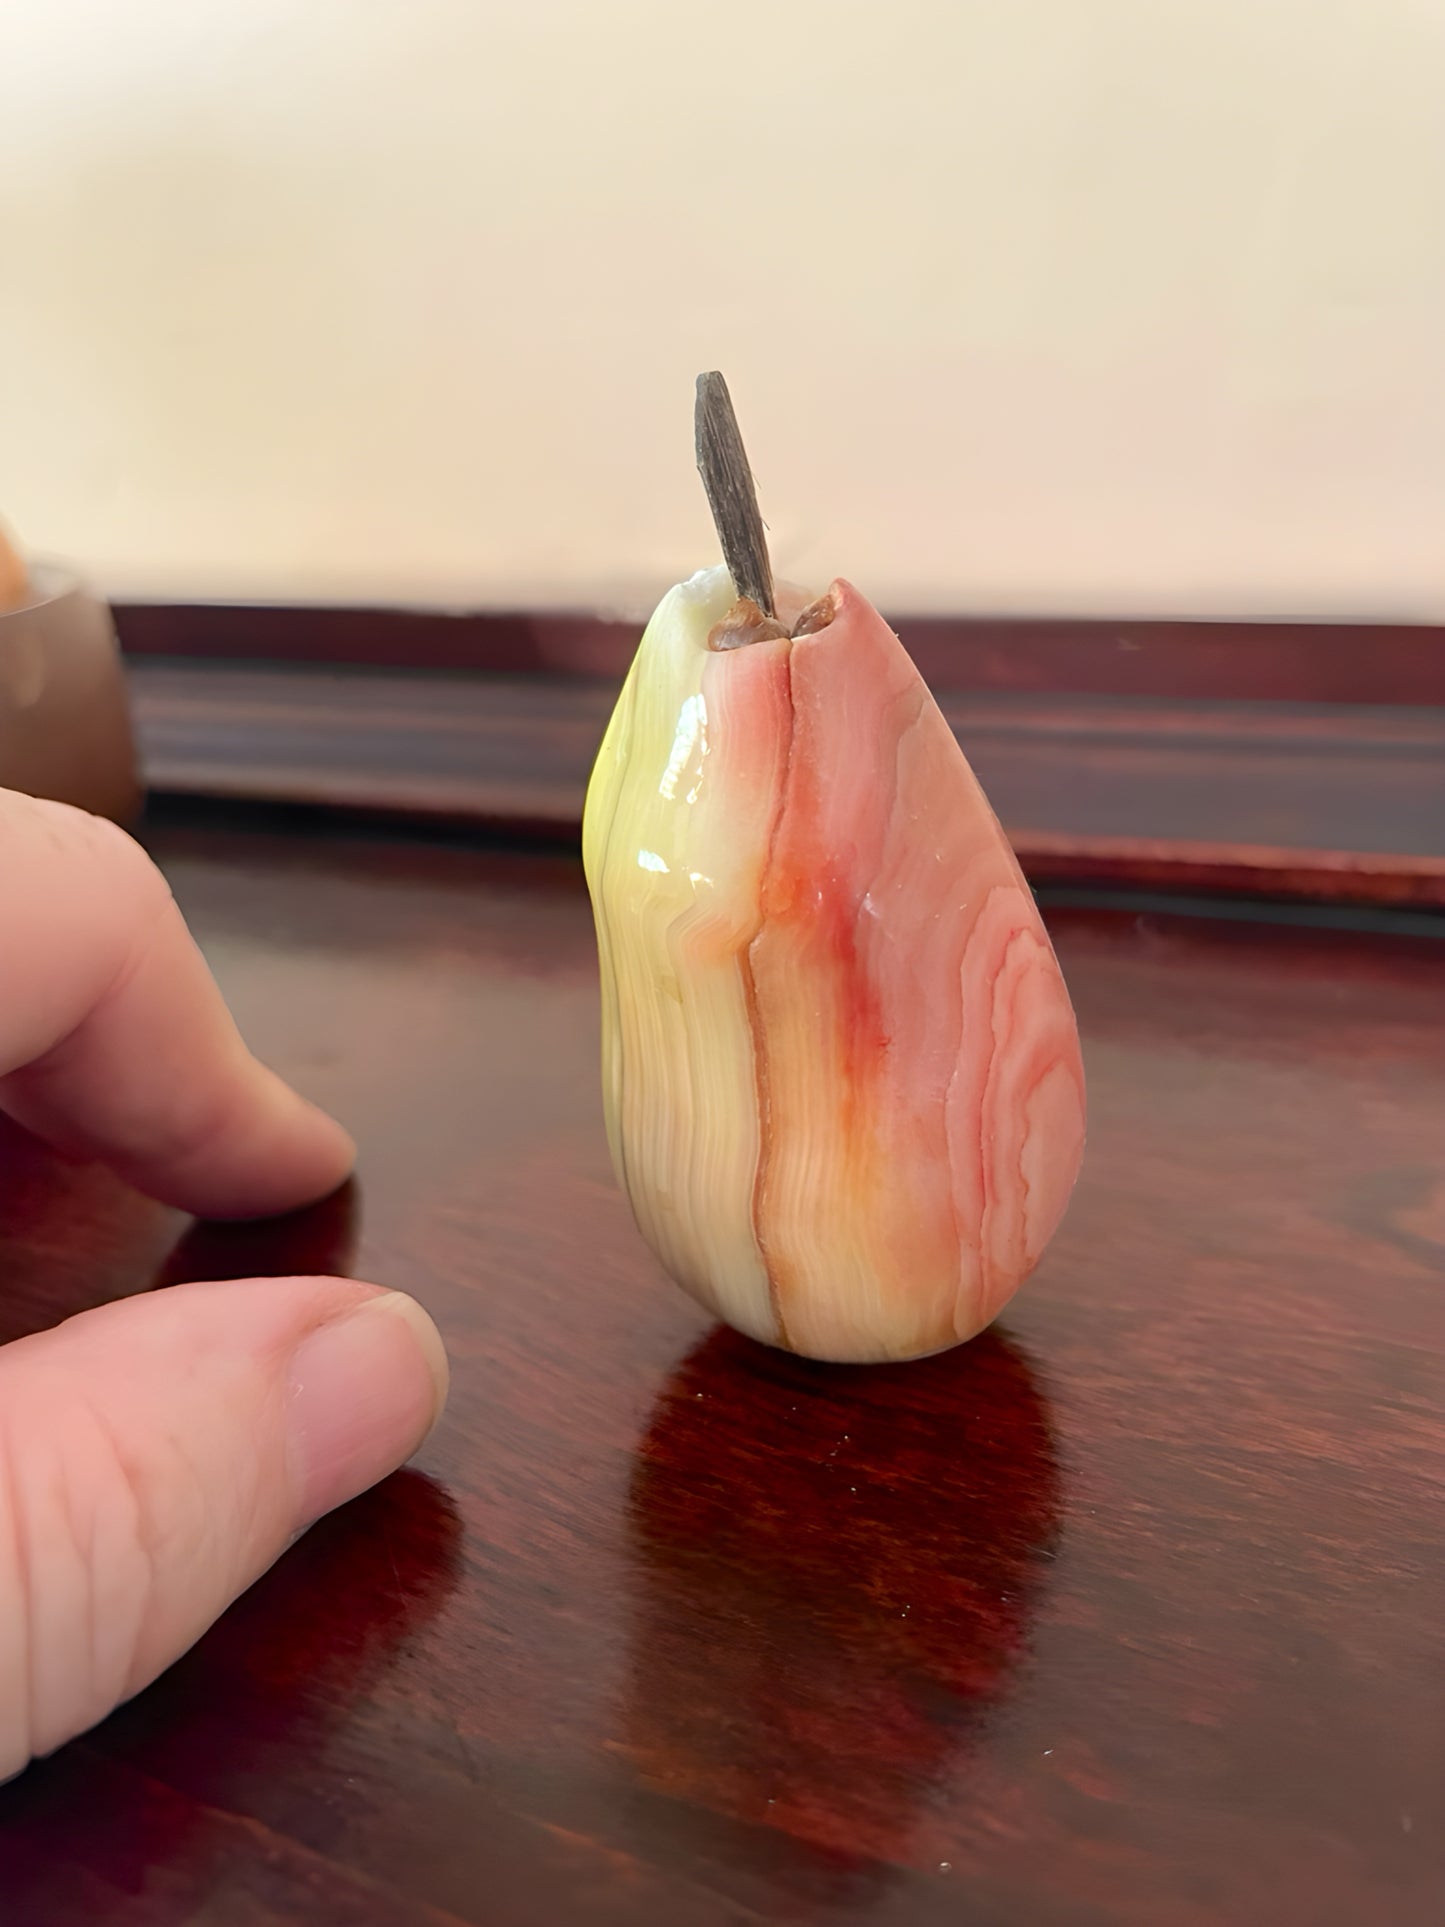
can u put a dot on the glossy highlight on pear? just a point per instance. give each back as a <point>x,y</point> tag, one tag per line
<point>841,1071</point>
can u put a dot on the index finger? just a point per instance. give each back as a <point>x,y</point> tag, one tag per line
<point>115,1042</point>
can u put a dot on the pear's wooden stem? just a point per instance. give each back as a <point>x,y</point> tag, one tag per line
<point>723,464</point>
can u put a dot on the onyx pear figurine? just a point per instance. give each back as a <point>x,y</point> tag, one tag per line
<point>841,1071</point>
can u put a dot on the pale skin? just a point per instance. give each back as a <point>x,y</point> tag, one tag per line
<point>158,1454</point>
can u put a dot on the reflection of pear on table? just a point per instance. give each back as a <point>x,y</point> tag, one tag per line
<point>836,1574</point>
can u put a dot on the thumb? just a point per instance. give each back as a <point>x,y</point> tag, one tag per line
<point>158,1454</point>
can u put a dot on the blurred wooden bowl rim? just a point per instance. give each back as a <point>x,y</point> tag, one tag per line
<point>65,729</point>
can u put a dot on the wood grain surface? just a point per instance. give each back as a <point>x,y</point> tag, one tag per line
<point>1128,1612</point>
<point>1283,661</point>
<point>1316,800</point>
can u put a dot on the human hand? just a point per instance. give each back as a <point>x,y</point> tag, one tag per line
<point>158,1454</point>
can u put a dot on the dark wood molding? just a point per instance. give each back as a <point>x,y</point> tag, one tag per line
<point>1348,662</point>
<point>1323,801</point>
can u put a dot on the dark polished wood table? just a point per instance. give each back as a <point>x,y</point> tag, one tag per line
<point>1133,1610</point>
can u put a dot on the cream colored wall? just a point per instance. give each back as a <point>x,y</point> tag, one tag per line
<point>1054,304</point>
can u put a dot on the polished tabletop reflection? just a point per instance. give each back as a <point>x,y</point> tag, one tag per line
<point>1127,1612</point>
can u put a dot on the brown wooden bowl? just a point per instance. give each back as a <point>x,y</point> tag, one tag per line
<point>65,729</point>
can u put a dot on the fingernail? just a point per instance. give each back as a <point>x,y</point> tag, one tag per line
<point>364,1392</point>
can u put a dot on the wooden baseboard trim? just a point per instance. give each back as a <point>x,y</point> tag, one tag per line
<point>1345,662</point>
<point>1324,802</point>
